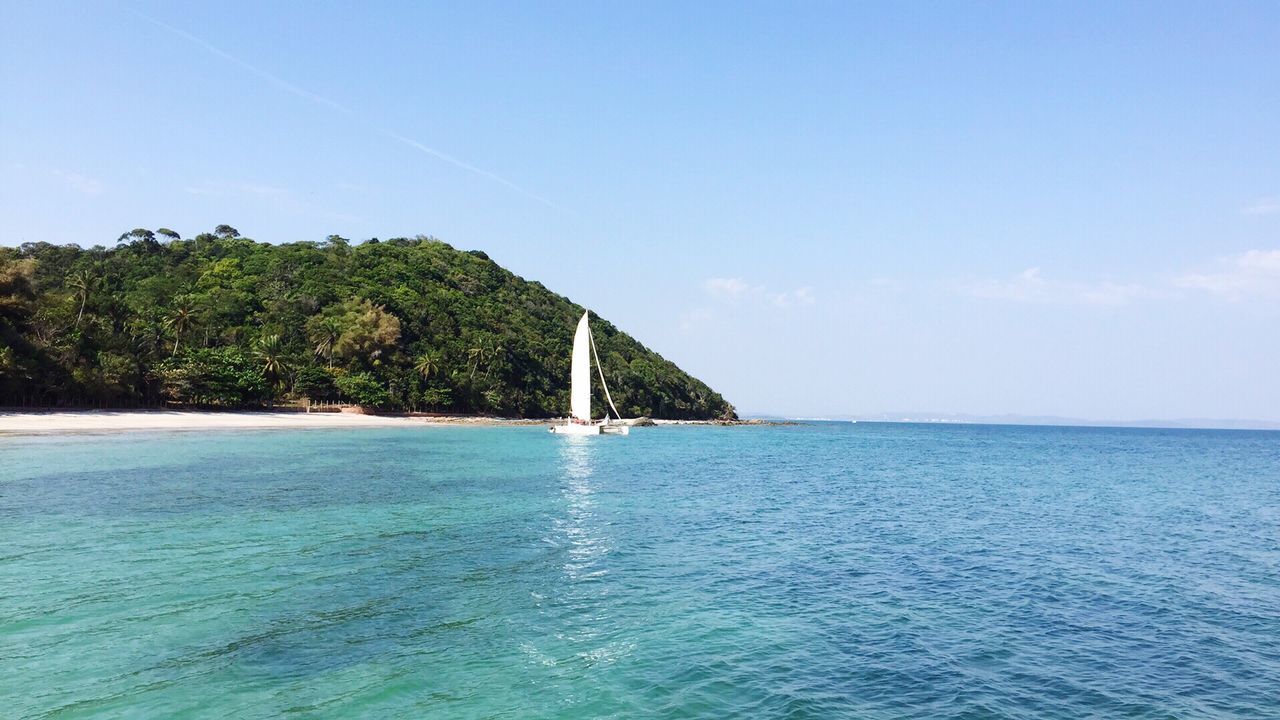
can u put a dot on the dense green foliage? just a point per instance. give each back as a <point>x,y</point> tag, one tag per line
<point>220,320</point>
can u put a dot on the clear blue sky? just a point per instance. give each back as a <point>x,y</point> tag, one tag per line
<point>1031,208</point>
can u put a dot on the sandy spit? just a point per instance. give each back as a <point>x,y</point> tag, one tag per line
<point>95,421</point>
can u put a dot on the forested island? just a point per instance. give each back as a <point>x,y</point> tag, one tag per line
<point>222,321</point>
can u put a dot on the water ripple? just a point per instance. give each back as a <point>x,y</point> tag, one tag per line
<point>868,571</point>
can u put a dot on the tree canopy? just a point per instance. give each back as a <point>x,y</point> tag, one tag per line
<point>220,320</point>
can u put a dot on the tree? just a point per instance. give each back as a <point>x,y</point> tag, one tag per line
<point>147,334</point>
<point>475,357</point>
<point>212,376</point>
<point>17,290</point>
<point>140,236</point>
<point>364,390</point>
<point>168,233</point>
<point>313,382</point>
<point>368,331</point>
<point>324,333</point>
<point>495,351</point>
<point>83,283</point>
<point>492,400</point>
<point>426,365</point>
<point>435,398</point>
<point>179,321</point>
<point>272,365</point>
<point>226,232</point>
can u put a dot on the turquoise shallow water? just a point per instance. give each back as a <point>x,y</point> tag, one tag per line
<point>824,571</point>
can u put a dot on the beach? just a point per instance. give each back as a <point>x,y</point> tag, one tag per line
<point>16,422</point>
<point>96,421</point>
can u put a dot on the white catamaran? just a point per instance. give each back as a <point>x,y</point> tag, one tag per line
<point>580,423</point>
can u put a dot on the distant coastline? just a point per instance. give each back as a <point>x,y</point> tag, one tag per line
<point>926,418</point>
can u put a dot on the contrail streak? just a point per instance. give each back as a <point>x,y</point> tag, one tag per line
<point>454,161</point>
<point>278,82</point>
<point>339,107</point>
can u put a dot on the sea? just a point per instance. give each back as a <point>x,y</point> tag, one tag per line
<point>821,570</point>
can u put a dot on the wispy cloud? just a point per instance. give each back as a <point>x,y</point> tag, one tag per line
<point>80,183</point>
<point>693,319</point>
<point>729,294</point>
<point>736,290</point>
<point>302,92</point>
<point>793,298</point>
<point>1256,272</point>
<point>1030,286</point>
<point>44,174</point>
<point>1263,206</point>
<point>726,289</point>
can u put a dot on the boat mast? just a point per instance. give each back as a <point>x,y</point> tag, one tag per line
<point>600,369</point>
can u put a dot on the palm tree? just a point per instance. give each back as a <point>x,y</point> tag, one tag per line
<point>147,334</point>
<point>84,284</point>
<point>268,353</point>
<point>475,356</point>
<point>495,351</point>
<point>325,336</point>
<point>427,365</point>
<point>179,321</point>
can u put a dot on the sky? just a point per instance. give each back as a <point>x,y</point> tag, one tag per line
<point>1066,209</point>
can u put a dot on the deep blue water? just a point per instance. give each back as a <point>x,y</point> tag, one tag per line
<point>820,571</point>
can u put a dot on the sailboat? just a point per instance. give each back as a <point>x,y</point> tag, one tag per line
<point>580,422</point>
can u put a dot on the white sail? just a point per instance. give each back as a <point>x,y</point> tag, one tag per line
<point>580,373</point>
<point>603,384</point>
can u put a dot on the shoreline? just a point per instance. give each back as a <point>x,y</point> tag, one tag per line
<point>56,422</point>
<point>67,422</point>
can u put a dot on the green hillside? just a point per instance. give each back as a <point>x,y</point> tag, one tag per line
<point>220,320</point>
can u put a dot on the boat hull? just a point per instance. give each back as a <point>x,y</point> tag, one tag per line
<point>575,429</point>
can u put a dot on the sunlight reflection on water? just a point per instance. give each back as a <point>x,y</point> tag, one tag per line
<point>819,571</point>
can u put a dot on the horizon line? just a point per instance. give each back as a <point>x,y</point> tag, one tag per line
<point>1017,420</point>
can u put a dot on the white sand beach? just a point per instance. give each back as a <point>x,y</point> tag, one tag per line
<point>90,421</point>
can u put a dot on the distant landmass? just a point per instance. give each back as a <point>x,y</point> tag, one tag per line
<point>961,418</point>
<point>220,320</point>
